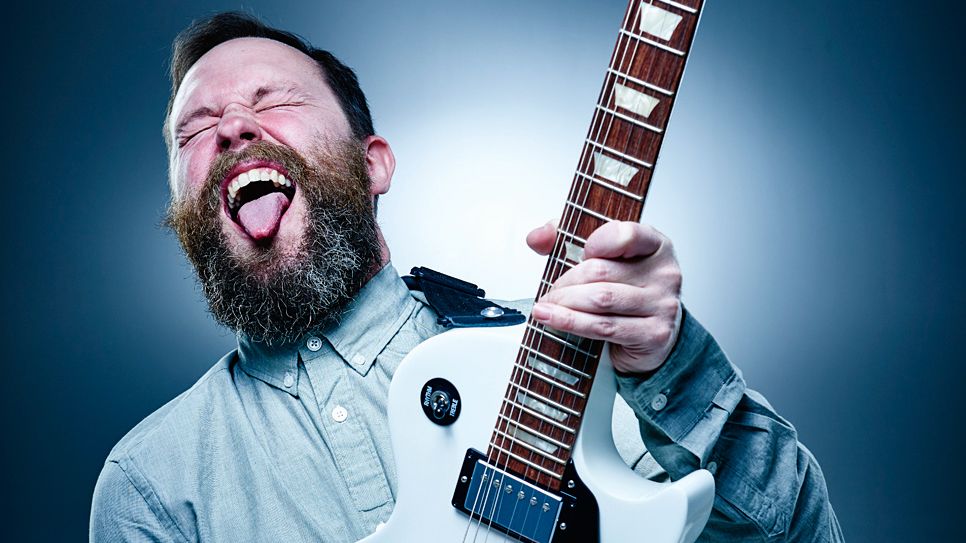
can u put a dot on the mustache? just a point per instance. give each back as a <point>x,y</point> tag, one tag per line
<point>260,150</point>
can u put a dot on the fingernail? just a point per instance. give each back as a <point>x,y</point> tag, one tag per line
<point>541,312</point>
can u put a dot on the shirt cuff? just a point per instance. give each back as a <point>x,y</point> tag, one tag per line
<point>683,406</point>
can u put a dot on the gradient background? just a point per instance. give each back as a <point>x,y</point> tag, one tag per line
<point>811,181</point>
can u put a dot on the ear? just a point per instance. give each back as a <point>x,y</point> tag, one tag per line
<point>381,163</point>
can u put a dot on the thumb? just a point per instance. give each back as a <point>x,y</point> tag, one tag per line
<point>541,239</point>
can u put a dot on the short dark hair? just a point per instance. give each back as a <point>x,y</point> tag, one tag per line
<point>203,35</point>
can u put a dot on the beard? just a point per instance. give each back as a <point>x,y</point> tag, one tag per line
<point>277,294</point>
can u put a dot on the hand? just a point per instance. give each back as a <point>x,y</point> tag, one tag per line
<point>626,291</point>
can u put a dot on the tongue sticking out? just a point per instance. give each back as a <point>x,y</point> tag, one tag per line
<point>260,217</point>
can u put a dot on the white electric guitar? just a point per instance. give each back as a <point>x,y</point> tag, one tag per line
<point>504,434</point>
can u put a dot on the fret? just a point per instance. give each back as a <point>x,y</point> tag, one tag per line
<point>545,400</point>
<point>633,100</point>
<point>630,119</point>
<point>563,427</point>
<point>519,442</point>
<point>536,414</point>
<point>551,381</point>
<point>681,7</point>
<point>538,409</point>
<point>558,339</point>
<point>538,434</point>
<point>626,157</point>
<point>640,82</point>
<point>590,212</point>
<point>527,462</point>
<point>562,262</point>
<point>618,190</point>
<point>552,360</point>
<point>653,43</point>
<point>574,236</point>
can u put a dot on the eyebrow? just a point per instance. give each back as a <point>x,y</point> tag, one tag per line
<point>256,97</point>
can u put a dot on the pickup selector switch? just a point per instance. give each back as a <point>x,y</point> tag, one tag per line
<point>440,401</point>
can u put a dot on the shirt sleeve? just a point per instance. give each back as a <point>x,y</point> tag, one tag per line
<point>696,412</point>
<point>122,513</point>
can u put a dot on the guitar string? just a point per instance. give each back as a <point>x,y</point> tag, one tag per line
<point>569,215</point>
<point>572,215</point>
<point>552,273</point>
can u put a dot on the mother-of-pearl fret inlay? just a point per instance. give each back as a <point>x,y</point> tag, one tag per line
<point>613,169</point>
<point>658,22</point>
<point>526,400</point>
<point>574,252</point>
<point>552,371</point>
<point>634,101</point>
<point>530,439</point>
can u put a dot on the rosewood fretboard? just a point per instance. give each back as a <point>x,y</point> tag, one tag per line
<point>545,399</point>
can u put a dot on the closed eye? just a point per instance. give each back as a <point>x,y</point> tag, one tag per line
<point>185,139</point>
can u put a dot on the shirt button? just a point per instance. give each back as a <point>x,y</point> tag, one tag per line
<point>658,402</point>
<point>339,414</point>
<point>358,360</point>
<point>712,466</point>
<point>313,343</point>
<point>289,380</point>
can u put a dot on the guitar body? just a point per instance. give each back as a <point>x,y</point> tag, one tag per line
<point>478,362</point>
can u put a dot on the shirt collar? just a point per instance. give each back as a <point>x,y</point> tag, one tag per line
<point>370,320</point>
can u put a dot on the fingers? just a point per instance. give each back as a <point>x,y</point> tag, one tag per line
<point>621,239</point>
<point>541,239</point>
<point>615,299</point>
<point>647,332</point>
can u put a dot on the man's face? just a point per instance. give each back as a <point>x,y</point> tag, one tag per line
<point>242,92</point>
<point>272,197</point>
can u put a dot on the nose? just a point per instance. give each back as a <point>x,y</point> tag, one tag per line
<point>237,129</point>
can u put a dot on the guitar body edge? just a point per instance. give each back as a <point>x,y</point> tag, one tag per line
<point>429,457</point>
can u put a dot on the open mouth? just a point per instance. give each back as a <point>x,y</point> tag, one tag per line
<point>257,198</point>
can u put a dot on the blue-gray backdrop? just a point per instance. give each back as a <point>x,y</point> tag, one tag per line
<point>811,179</point>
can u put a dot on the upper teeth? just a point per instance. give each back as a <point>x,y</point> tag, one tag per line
<point>251,176</point>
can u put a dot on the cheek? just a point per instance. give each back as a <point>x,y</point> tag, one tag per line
<point>190,170</point>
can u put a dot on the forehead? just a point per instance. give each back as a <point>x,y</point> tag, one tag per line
<point>237,67</point>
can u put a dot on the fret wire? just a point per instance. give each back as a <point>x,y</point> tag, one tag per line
<point>544,399</point>
<point>654,43</point>
<point>611,187</point>
<point>539,434</point>
<point>629,119</point>
<point>529,463</point>
<point>526,445</point>
<point>574,236</point>
<point>538,415</point>
<point>569,344</point>
<point>559,425</point>
<point>590,212</point>
<point>681,7</point>
<point>603,147</point>
<point>549,380</point>
<point>562,262</point>
<point>557,362</point>
<point>640,82</point>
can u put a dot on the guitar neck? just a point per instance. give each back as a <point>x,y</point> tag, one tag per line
<point>547,393</point>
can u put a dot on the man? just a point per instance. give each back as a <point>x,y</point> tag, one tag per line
<point>275,170</point>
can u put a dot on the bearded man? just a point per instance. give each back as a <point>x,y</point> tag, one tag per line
<point>275,171</point>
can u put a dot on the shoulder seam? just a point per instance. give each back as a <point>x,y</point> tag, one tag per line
<point>153,505</point>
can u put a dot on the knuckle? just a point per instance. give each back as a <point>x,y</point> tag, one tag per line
<point>598,270</point>
<point>605,299</point>
<point>669,307</point>
<point>606,328</point>
<point>663,334</point>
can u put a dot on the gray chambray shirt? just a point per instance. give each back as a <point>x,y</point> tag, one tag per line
<point>292,443</point>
